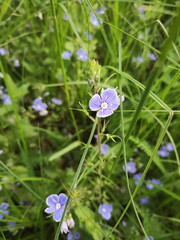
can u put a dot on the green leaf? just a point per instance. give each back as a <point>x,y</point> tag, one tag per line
<point>65,150</point>
<point>87,219</point>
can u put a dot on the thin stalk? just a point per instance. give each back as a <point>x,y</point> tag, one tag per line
<point>152,78</point>
<point>76,177</point>
<point>124,143</point>
<point>61,63</point>
<point>144,173</point>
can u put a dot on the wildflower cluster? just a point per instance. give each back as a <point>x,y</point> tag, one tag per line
<point>164,151</point>
<point>81,55</point>
<point>6,99</point>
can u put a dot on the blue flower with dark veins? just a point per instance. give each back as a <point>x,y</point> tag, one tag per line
<point>105,210</point>
<point>56,204</point>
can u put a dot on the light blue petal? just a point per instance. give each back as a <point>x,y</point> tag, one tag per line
<point>58,215</point>
<point>95,102</point>
<point>52,200</point>
<point>104,113</point>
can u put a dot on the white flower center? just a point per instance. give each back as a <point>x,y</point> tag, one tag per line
<point>104,210</point>
<point>58,205</point>
<point>104,105</point>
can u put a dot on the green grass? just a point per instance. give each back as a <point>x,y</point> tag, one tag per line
<point>44,155</point>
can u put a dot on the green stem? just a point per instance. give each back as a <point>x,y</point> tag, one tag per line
<point>76,177</point>
<point>152,78</point>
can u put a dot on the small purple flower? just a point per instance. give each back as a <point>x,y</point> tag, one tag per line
<point>136,177</point>
<point>11,226</point>
<point>82,55</point>
<point>101,10</point>
<point>152,56</point>
<point>56,205</point>
<point>149,238</point>
<point>56,101</point>
<point>3,209</point>
<point>104,149</point>
<point>65,17</point>
<point>1,151</point>
<point>124,223</point>
<point>16,63</point>
<point>169,147</point>
<point>163,152</point>
<point>38,105</point>
<point>140,59</point>
<point>6,99</point>
<point>73,236</point>
<point>155,182</point>
<point>3,51</point>
<point>66,54</point>
<point>105,210</point>
<point>130,167</point>
<point>64,228</point>
<point>144,200</point>
<point>70,222</point>
<point>88,35</point>
<point>96,22</point>
<point>141,9</point>
<point>105,104</point>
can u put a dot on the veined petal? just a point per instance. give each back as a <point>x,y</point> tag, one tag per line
<point>50,209</point>
<point>58,214</point>
<point>62,199</point>
<point>104,113</point>
<point>95,102</point>
<point>52,200</point>
<point>114,105</point>
<point>109,95</point>
<point>106,215</point>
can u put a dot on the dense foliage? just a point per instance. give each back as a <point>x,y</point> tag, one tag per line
<point>89,97</point>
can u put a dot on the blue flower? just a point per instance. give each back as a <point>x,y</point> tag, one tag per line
<point>136,177</point>
<point>141,9</point>
<point>73,236</point>
<point>149,238</point>
<point>140,59</point>
<point>163,152</point>
<point>101,10</point>
<point>11,226</point>
<point>65,17</point>
<point>56,101</point>
<point>94,21</point>
<point>38,105</point>
<point>56,205</point>
<point>152,56</point>
<point>66,54</point>
<point>105,104</point>
<point>169,147</point>
<point>130,167</point>
<point>88,35</point>
<point>144,200</point>
<point>124,223</point>
<point>82,55</point>
<point>3,209</point>
<point>155,182</point>
<point>1,151</point>
<point>6,99</point>
<point>105,210</point>
<point>3,51</point>
<point>16,63</point>
<point>104,149</point>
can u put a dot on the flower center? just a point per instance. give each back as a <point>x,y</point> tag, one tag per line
<point>104,105</point>
<point>104,210</point>
<point>58,205</point>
